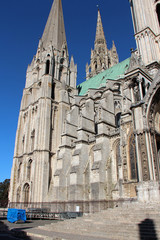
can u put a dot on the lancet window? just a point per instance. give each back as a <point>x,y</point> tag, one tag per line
<point>29,167</point>
<point>118,119</point>
<point>158,12</point>
<point>26,192</point>
<point>32,140</point>
<point>47,66</point>
<point>18,194</point>
<point>143,87</point>
<point>19,171</point>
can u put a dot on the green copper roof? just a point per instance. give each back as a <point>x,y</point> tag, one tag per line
<point>99,80</point>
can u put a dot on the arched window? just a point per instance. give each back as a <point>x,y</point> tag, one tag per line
<point>95,65</point>
<point>29,169</point>
<point>53,67</point>
<point>158,12</point>
<point>32,140</point>
<point>19,171</point>
<point>96,128</point>
<point>143,87</point>
<point>23,141</point>
<point>18,194</point>
<point>53,91</point>
<point>62,61</point>
<point>133,159</point>
<point>118,120</point>
<point>47,66</point>
<point>60,73</point>
<point>26,192</point>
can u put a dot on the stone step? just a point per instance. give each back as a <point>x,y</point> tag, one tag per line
<point>109,235</point>
<point>113,224</point>
<point>111,221</point>
<point>104,229</point>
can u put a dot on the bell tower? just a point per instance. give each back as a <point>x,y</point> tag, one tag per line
<point>50,84</point>
<point>146,22</point>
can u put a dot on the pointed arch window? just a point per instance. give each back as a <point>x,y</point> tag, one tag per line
<point>26,192</point>
<point>32,140</point>
<point>19,171</point>
<point>158,12</point>
<point>18,194</point>
<point>60,73</point>
<point>143,87</point>
<point>47,66</point>
<point>96,128</point>
<point>23,141</point>
<point>29,167</point>
<point>95,64</point>
<point>118,120</point>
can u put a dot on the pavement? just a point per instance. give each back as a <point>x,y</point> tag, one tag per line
<point>29,231</point>
<point>8,230</point>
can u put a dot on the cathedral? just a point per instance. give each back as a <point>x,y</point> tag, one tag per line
<point>97,144</point>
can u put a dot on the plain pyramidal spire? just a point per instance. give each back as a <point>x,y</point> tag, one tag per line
<point>99,31</point>
<point>54,32</point>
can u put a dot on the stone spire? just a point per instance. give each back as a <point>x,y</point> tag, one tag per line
<point>100,38</point>
<point>54,32</point>
<point>101,57</point>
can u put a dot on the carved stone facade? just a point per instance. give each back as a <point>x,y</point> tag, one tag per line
<point>91,143</point>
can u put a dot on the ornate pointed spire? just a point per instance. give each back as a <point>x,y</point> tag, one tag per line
<point>54,32</point>
<point>101,57</point>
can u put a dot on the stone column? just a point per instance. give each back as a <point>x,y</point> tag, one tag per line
<point>149,156</point>
<point>138,160</point>
<point>150,143</point>
<point>132,94</point>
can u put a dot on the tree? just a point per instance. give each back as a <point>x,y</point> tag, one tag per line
<point>4,189</point>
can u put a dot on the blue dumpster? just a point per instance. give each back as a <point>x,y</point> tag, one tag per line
<point>14,215</point>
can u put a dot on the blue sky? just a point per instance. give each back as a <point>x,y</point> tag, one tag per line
<point>22,24</point>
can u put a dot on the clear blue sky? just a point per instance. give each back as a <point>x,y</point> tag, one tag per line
<point>21,26</point>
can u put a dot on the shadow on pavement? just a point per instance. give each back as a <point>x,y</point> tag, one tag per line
<point>147,230</point>
<point>14,233</point>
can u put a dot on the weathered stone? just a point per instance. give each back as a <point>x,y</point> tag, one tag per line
<point>83,150</point>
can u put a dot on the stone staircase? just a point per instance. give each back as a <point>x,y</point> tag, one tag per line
<point>128,222</point>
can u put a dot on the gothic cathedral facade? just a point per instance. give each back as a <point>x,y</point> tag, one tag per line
<point>97,142</point>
